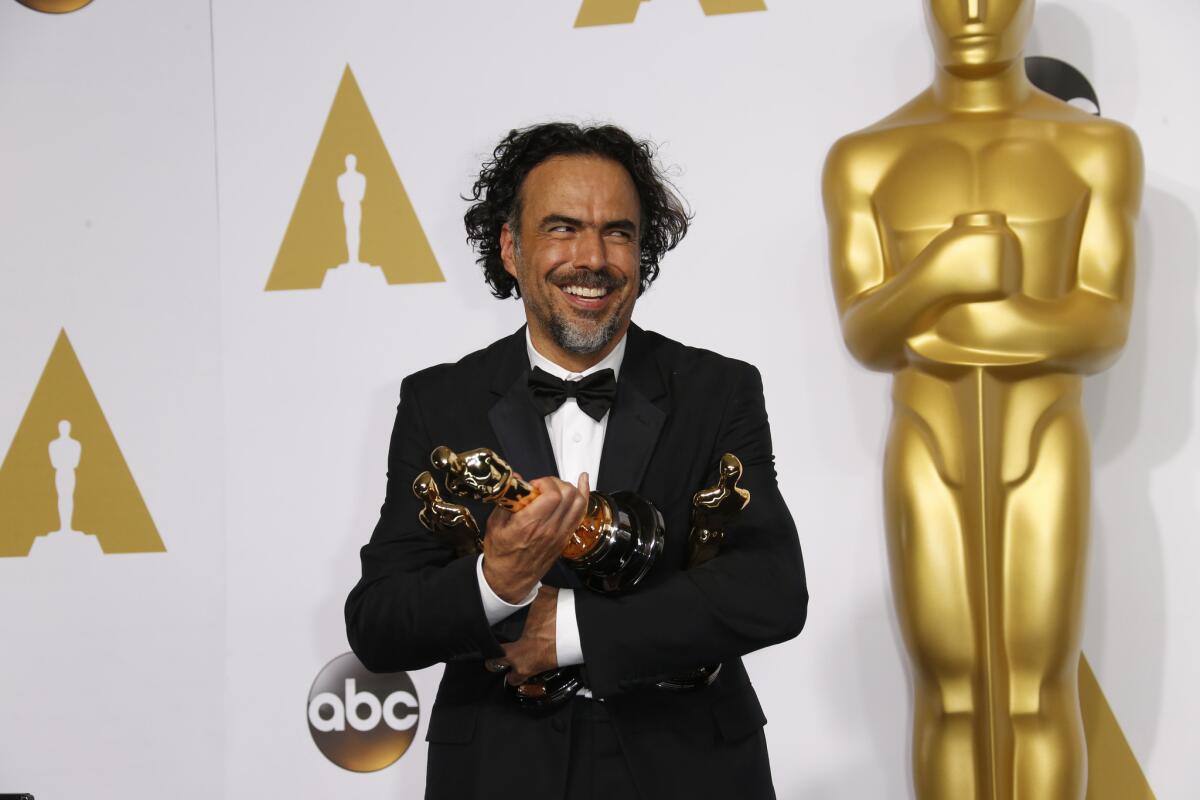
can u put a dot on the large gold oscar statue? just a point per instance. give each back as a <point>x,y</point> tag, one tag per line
<point>982,251</point>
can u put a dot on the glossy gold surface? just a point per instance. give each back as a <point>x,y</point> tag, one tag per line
<point>452,521</point>
<point>981,244</point>
<point>713,508</point>
<point>485,476</point>
<point>596,522</point>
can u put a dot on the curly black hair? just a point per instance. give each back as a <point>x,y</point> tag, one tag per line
<point>496,195</point>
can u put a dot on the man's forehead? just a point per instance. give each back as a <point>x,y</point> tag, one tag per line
<point>581,181</point>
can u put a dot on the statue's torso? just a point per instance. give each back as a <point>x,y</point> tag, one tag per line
<point>1015,167</point>
<point>931,168</point>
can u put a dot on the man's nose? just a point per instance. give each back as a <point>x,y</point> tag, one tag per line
<point>974,10</point>
<point>589,250</point>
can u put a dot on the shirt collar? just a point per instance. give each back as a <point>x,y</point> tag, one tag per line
<point>611,361</point>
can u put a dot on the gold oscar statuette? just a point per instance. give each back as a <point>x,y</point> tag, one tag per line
<point>451,521</point>
<point>616,542</point>
<point>712,510</point>
<point>981,242</point>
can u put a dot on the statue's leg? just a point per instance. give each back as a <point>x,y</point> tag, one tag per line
<point>1045,553</point>
<point>352,217</point>
<point>64,482</point>
<point>931,581</point>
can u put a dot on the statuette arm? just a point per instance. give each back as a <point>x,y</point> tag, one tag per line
<point>1081,333</point>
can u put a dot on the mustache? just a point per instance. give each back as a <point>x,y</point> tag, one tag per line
<point>588,279</point>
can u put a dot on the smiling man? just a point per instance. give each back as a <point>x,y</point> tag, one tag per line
<point>574,221</point>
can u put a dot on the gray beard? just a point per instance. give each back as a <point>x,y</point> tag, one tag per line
<point>580,339</point>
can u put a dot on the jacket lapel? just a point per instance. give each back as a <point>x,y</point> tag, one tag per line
<point>635,419</point>
<point>521,429</point>
<point>518,426</point>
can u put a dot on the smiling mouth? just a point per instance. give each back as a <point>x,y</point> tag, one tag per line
<point>585,291</point>
<point>587,298</point>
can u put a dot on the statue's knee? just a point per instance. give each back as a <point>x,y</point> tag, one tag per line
<point>957,695</point>
<point>1034,694</point>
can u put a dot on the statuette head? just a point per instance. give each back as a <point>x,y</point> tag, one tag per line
<point>977,38</point>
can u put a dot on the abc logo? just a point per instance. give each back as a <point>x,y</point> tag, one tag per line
<point>362,721</point>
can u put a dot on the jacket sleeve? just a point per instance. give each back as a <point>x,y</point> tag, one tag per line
<point>753,594</point>
<point>415,605</point>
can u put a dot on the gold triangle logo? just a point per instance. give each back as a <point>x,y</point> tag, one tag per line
<point>64,484</point>
<point>1113,769</point>
<point>623,12</point>
<point>353,221</point>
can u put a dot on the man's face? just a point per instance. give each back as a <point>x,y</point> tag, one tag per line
<point>976,37</point>
<point>577,259</point>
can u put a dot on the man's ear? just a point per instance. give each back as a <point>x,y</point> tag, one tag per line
<point>508,247</point>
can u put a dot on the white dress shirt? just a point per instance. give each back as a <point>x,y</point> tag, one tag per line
<point>577,441</point>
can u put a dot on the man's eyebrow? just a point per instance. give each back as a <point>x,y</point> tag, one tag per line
<point>613,225</point>
<point>561,219</point>
<point>627,225</point>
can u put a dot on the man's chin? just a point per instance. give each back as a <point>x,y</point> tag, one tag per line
<point>584,335</point>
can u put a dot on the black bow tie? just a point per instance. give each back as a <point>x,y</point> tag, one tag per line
<point>594,394</point>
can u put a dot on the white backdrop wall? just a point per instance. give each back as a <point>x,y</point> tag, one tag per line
<point>151,156</point>
<point>112,668</point>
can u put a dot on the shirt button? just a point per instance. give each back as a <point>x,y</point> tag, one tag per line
<point>577,438</point>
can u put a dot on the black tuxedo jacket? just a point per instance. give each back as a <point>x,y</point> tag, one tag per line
<point>677,410</point>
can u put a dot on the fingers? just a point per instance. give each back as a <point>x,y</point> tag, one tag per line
<point>534,652</point>
<point>514,675</point>
<point>550,492</point>
<point>553,485</point>
<point>585,492</point>
<point>562,507</point>
<point>569,514</point>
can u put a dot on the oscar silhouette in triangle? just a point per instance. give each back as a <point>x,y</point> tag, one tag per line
<point>64,483</point>
<point>352,200</point>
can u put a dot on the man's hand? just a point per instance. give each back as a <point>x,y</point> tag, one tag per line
<point>536,650</point>
<point>519,548</point>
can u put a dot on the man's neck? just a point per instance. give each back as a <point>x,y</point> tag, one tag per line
<point>1002,91</point>
<point>573,362</point>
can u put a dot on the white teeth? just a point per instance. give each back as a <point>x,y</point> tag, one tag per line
<point>580,291</point>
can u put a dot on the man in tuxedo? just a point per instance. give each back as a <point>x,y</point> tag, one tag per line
<point>574,221</point>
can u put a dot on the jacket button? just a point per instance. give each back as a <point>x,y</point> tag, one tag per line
<point>558,725</point>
